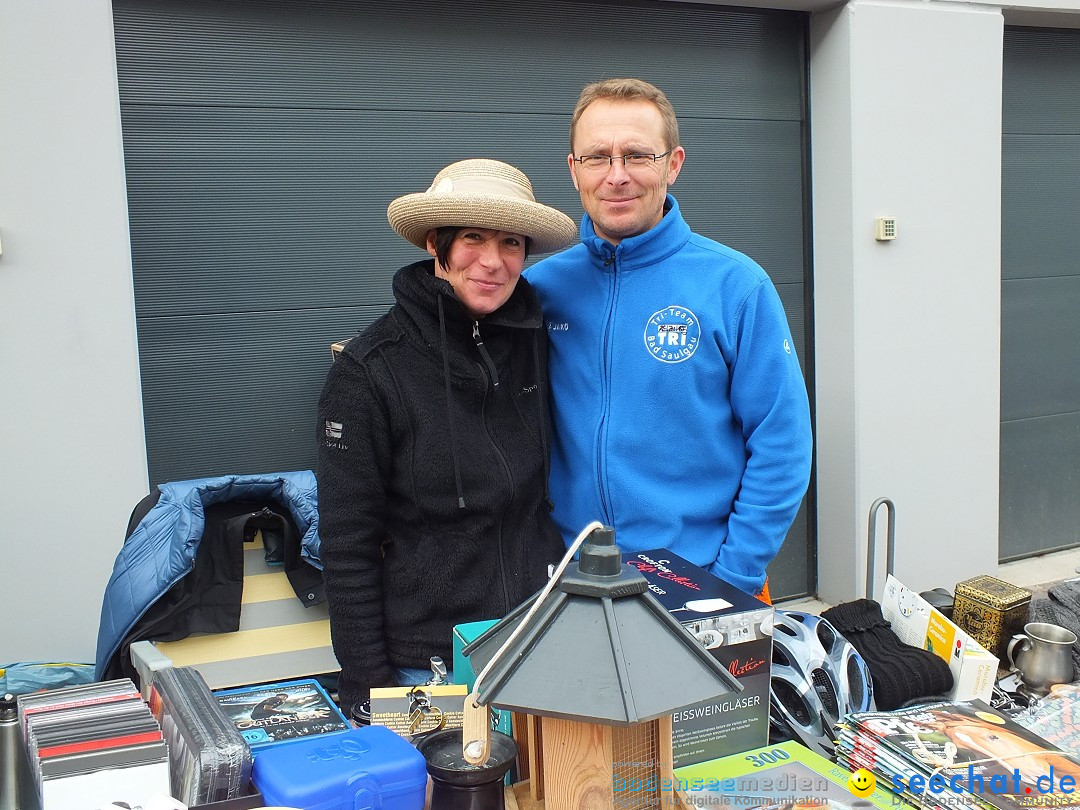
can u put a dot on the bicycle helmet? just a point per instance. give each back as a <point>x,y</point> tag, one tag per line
<point>817,678</point>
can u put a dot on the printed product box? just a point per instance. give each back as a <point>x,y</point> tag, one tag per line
<point>917,623</point>
<point>729,623</point>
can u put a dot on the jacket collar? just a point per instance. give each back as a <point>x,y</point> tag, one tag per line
<point>643,250</point>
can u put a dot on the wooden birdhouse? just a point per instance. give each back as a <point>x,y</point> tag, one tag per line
<point>593,679</point>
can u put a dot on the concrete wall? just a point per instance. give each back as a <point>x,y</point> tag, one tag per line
<point>906,119</point>
<point>72,454</point>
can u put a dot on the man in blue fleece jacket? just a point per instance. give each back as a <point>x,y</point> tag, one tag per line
<point>681,415</point>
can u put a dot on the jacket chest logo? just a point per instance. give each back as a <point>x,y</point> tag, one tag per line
<point>672,334</point>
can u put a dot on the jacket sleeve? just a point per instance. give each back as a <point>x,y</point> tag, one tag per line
<point>354,468</point>
<point>768,396</point>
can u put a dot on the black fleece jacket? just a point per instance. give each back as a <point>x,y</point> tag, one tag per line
<point>404,560</point>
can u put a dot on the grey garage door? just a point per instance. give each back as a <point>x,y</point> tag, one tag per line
<point>263,141</point>
<point>1040,292</point>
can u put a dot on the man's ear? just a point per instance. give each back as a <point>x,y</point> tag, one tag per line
<point>573,170</point>
<point>678,157</point>
<point>429,242</point>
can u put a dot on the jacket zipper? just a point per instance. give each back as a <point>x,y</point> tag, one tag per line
<point>605,378</point>
<point>494,375</point>
<point>484,353</point>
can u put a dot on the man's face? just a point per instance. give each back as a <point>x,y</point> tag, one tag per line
<point>623,201</point>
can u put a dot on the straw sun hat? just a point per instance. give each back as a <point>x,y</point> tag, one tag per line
<point>481,193</point>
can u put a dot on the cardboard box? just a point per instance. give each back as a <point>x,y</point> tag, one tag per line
<point>917,623</point>
<point>728,622</point>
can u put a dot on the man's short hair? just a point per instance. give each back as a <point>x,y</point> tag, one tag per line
<point>628,90</point>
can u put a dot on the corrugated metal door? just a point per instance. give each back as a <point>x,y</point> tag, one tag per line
<point>1040,292</point>
<point>264,140</point>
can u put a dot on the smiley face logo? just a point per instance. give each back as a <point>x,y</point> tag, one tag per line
<point>861,783</point>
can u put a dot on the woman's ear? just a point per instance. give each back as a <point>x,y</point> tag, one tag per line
<point>429,242</point>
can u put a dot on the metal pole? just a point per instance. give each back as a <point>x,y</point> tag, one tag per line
<point>871,545</point>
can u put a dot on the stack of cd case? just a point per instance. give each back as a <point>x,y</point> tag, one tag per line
<point>92,745</point>
<point>210,761</point>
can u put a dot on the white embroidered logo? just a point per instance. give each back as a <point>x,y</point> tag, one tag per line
<point>672,334</point>
<point>334,432</point>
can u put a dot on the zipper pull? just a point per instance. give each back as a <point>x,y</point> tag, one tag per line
<point>484,353</point>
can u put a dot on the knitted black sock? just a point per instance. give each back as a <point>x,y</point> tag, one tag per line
<point>900,672</point>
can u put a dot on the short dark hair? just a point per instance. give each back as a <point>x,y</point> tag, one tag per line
<point>445,236</point>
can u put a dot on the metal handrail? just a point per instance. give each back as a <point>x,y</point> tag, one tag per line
<point>871,542</point>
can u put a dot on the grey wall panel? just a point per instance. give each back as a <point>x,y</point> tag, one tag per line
<point>787,572</point>
<point>1040,485</point>
<point>1040,205</point>
<point>742,185</point>
<point>1040,347</point>
<point>296,200</point>
<point>1040,292</point>
<point>237,393</point>
<point>1041,81</point>
<point>482,56</point>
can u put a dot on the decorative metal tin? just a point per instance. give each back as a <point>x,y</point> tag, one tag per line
<point>991,611</point>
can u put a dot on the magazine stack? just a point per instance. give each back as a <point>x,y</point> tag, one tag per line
<point>959,754</point>
<point>1056,717</point>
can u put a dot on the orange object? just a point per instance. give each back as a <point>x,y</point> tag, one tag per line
<point>764,595</point>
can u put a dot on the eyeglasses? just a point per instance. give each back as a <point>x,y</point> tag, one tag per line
<point>602,163</point>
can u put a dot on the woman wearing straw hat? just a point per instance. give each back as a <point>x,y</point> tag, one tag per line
<point>433,445</point>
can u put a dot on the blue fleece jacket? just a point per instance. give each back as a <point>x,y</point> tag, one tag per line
<point>681,415</point>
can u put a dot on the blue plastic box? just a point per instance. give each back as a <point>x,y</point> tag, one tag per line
<point>365,768</point>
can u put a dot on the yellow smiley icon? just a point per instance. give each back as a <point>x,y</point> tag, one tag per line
<point>861,783</point>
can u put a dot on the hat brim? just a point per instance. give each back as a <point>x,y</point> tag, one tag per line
<point>548,229</point>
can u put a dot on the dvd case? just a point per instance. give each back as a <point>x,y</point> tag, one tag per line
<point>210,760</point>
<point>273,713</point>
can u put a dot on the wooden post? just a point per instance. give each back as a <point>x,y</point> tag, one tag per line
<point>667,761</point>
<point>578,765</point>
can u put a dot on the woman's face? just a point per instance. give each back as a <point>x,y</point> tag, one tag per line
<point>483,267</point>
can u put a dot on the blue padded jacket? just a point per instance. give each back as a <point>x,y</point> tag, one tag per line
<point>161,549</point>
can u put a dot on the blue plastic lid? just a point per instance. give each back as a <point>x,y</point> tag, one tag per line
<point>366,767</point>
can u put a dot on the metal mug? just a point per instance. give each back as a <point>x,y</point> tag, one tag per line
<point>1043,655</point>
